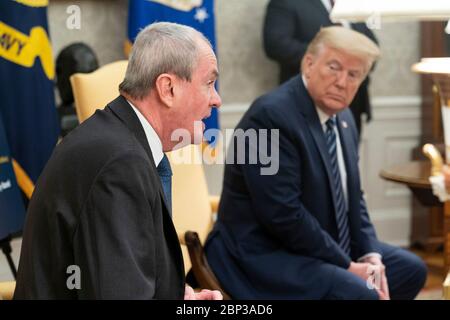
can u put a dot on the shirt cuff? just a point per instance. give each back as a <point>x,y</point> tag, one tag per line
<point>368,255</point>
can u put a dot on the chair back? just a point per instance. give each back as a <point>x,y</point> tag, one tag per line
<point>7,290</point>
<point>191,209</point>
<point>92,91</point>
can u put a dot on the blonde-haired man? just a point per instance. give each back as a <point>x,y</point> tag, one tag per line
<point>305,233</point>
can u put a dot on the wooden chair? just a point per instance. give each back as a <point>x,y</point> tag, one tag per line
<point>192,206</point>
<point>436,169</point>
<point>92,91</point>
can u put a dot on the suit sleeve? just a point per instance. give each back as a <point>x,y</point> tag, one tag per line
<point>369,241</point>
<point>277,198</point>
<point>114,244</point>
<point>280,42</point>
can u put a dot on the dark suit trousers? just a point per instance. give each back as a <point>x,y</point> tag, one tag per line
<point>406,275</point>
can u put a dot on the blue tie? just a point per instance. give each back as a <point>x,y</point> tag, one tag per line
<point>165,174</point>
<point>341,212</point>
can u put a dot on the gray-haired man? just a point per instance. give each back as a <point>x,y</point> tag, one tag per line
<point>99,225</point>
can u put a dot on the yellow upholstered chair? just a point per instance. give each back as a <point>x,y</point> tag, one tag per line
<point>193,211</point>
<point>192,206</point>
<point>94,90</point>
<point>7,290</point>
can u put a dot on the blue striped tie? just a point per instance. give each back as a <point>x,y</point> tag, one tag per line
<point>165,174</point>
<point>341,212</point>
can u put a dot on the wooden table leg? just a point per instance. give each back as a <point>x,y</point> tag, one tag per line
<point>446,285</point>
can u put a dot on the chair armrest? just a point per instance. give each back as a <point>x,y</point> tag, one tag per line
<point>200,267</point>
<point>7,290</point>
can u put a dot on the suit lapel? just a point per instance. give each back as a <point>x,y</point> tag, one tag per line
<point>315,127</point>
<point>348,148</point>
<point>122,109</point>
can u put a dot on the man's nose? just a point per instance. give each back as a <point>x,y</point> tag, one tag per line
<point>342,79</point>
<point>216,101</point>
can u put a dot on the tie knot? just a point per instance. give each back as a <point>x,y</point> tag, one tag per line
<point>164,167</point>
<point>331,123</point>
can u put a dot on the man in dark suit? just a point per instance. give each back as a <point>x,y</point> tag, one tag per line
<point>99,223</point>
<point>289,27</point>
<point>304,232</point>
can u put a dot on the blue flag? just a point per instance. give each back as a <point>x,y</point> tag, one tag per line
<point>198,14</point>
<point>26,83</point>
<point>12,211</point>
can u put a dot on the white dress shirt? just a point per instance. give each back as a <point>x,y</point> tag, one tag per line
<point>153,140</point>
<point>327,5</point>
<point>323,117</point>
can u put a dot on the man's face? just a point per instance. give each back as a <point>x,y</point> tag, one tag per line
<point>199,96</point>
<point>333,77</point>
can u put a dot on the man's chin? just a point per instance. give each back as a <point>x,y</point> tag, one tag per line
<point>336,106</point>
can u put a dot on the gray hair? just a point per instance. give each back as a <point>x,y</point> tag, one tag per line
<point>159,48</point>
<point>346,40</point>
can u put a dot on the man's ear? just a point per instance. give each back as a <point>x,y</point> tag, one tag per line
<point>307,62</point>
<point>164,85</point>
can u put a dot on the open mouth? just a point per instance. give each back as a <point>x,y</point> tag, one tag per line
<point>207,116</point>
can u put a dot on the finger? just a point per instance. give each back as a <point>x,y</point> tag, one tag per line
<point>189,293</point>
<point>206,295</point>
<point>385,287</point>
<point>381,295</point>
<point>217,295</point>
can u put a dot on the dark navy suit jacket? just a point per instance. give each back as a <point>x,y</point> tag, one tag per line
<point>274,231</point>
<point>99,205</point>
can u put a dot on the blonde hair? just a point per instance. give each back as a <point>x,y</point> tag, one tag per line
<point>346,40</point>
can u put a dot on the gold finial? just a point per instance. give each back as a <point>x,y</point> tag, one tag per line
<point>435,157</point>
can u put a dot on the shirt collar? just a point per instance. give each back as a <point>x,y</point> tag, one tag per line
<point>323,117</point>
<point>152,137</point>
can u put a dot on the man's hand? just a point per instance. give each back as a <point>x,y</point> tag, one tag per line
<point>190,294</point>
<point>383,290</point>
<point>361,269</point>
<point>366,271</point>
